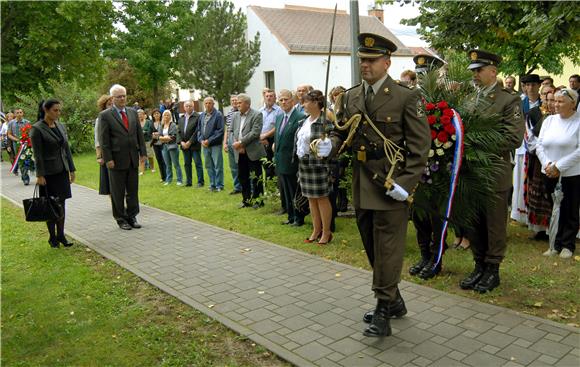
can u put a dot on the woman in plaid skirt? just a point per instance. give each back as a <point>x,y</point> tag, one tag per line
<point>314,172</point>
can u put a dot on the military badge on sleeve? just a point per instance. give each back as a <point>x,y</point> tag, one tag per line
<point>517,113</point>
<point>420,111</point>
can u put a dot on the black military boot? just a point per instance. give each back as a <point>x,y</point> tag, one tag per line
<point>425,257</point>
<point>397,309</point>
<point>381,323</point>
<point>489,280</point>
<point>473,278</point>
<point>430,270</point>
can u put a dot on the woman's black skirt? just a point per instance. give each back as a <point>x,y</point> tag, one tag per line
<point>57,185</point>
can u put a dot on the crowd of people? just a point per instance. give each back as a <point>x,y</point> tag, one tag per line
<point>297,137</point>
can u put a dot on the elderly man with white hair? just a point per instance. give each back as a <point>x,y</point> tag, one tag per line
<point>123,147</point>
<point>210,135</point>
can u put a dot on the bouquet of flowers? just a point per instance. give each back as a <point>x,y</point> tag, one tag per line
<point>443,137</point>
<point>26,159</point>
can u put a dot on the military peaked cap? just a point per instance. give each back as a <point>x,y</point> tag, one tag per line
<point>480,58</point>
<point>372,46</point>
<point>424,63</point>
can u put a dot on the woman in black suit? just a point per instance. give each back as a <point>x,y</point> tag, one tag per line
<point>55,169</point>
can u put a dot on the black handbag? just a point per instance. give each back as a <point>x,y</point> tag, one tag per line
<point>301,202</point>
<point>42,208</point>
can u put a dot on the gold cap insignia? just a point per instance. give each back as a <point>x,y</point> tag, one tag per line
<point>369,42</point>
<point>421,60</point>
<point>473,56</point>
<point>386,90</point>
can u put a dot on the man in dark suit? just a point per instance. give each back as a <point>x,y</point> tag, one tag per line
<point>390,116</point>
<point>210,135</point>
<point>488,237</point>
<point>286,164</point>
<point>123,146</point>
<point>245,129</point>
<point>187,127</point>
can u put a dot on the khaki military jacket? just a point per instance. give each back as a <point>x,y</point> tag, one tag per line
<point>395,112</point>
<point>508,107</point>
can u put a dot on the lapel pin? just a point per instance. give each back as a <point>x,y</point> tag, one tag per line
<point>386,90</point>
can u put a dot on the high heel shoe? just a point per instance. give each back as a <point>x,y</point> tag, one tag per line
<point>309,240</point>
<point>324,243</point>
<point>65,242</point>
<point>53,242</point>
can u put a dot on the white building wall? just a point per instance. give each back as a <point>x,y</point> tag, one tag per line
<point>292,70</point>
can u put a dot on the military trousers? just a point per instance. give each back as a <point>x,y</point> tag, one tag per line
<point>488,235</point>
<point>383,233</point>
<point>428,228</point>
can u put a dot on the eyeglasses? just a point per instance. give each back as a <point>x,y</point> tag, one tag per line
<point>565,92</point>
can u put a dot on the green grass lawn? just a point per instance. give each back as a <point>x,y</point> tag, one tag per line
<point>72,307</point>
<point>531,283</point>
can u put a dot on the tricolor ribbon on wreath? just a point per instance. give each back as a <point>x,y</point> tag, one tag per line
<point>17,159</point>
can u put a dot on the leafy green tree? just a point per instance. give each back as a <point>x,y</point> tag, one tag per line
<point>528,34</point>
<point>150,36</point>
<point>45,40</point>
<point>215,56</point>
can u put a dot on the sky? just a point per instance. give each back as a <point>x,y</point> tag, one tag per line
<point>393,14</point>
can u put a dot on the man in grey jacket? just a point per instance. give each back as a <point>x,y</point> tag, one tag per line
<point>246,128</point>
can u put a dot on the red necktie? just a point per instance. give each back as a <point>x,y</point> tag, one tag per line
<point>125,120</point>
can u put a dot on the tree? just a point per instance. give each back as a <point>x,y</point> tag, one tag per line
<point>151,36</point>
<point>528,34</point>
<point>45,40</point>
<point>216,57</point>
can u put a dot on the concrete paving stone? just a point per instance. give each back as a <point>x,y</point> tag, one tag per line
<point>572,340</point>
<point>531,323</point>
<point>289,311</point>
<point>547,359</point>
<point>569,361</point>
<point>325,340</point>
<point>326,318</point>
<point>507,318</point>
<point>553,329</point>
<point>291,345</point>
<point>443,300</point>
<point>253,303</point>
<point>347,346</point>
<point>476,325</point>
<point>397,356</point>
<point>296,322</point>
<point>316,327</point>
<point>360,360</point>
<point>496,339</point>
<point>456,355</point>
<point>490,349</point>
<point>336,331</point>
<point>422,362</point>
<point>282,300</point>
<point>431,350</point>
<point>347,322</point>
<point>471,334</point>
<point>417,306</point>
<point>479,359</point>
<point>448,362</point>
<point>522,343</point>
<point>554,337</point>
<point>222,297</point>
<point>325,362</point>
<point>553,349</point>
<point>335,356</point>
<point>415,335</point>
<point>304,336</point>
<point>402,323</point>
<point>430,317</point>
<point>300,303</point>
<point>438,339</point>
<point>459,312</point>
<point>321,306</point>
<point>259,314</point>
<point>464,344</point>
<point>422,325</point>
<point>518,354</point>
<point>501,329</point>
<point>528,333</point>
<point>446,330</point>
<point>575,352</point>
<point>308,314</point>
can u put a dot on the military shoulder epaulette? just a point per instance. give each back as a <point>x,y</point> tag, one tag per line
<point>401,84</point>
<point>513,92</point>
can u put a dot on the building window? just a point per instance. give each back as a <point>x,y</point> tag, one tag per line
<point>269,77</point>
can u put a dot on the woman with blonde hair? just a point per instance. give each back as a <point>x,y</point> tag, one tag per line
<point>168,137</point>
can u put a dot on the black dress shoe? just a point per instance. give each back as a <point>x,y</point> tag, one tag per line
<point>188,185</point>
<point>298,224</point>
<point>288,222</point>
<point>473,278</point>
<point>124,225</point>
<point>397,309</point>
<point>381,323</point>
<point>133,223</point>
<point>430,271</point>
<point>243,205</point>
<point>53,242</point>
<point>418,266</point>
<point>489,280</point>
<point>64,242</point>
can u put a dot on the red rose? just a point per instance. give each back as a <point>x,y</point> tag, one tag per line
<point>449,129</point>
<point>442,136</point>
<point>430,106</point>
<point>442,105</point>
<point>433,134</point>
<point>448,112</point>
<point>431,119</point>
<point>445,120</point>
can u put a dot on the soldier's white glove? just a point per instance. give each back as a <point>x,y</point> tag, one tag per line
<point>398,193</point>
<point>324,147</point>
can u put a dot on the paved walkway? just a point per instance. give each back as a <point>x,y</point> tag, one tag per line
<point>303,308</point>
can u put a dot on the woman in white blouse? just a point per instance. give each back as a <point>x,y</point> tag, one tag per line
<point>558,149</point>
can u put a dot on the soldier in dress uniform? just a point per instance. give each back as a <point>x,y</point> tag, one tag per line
<point>428,227</point>
<point>488,237</point>
<point>381,123</point>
